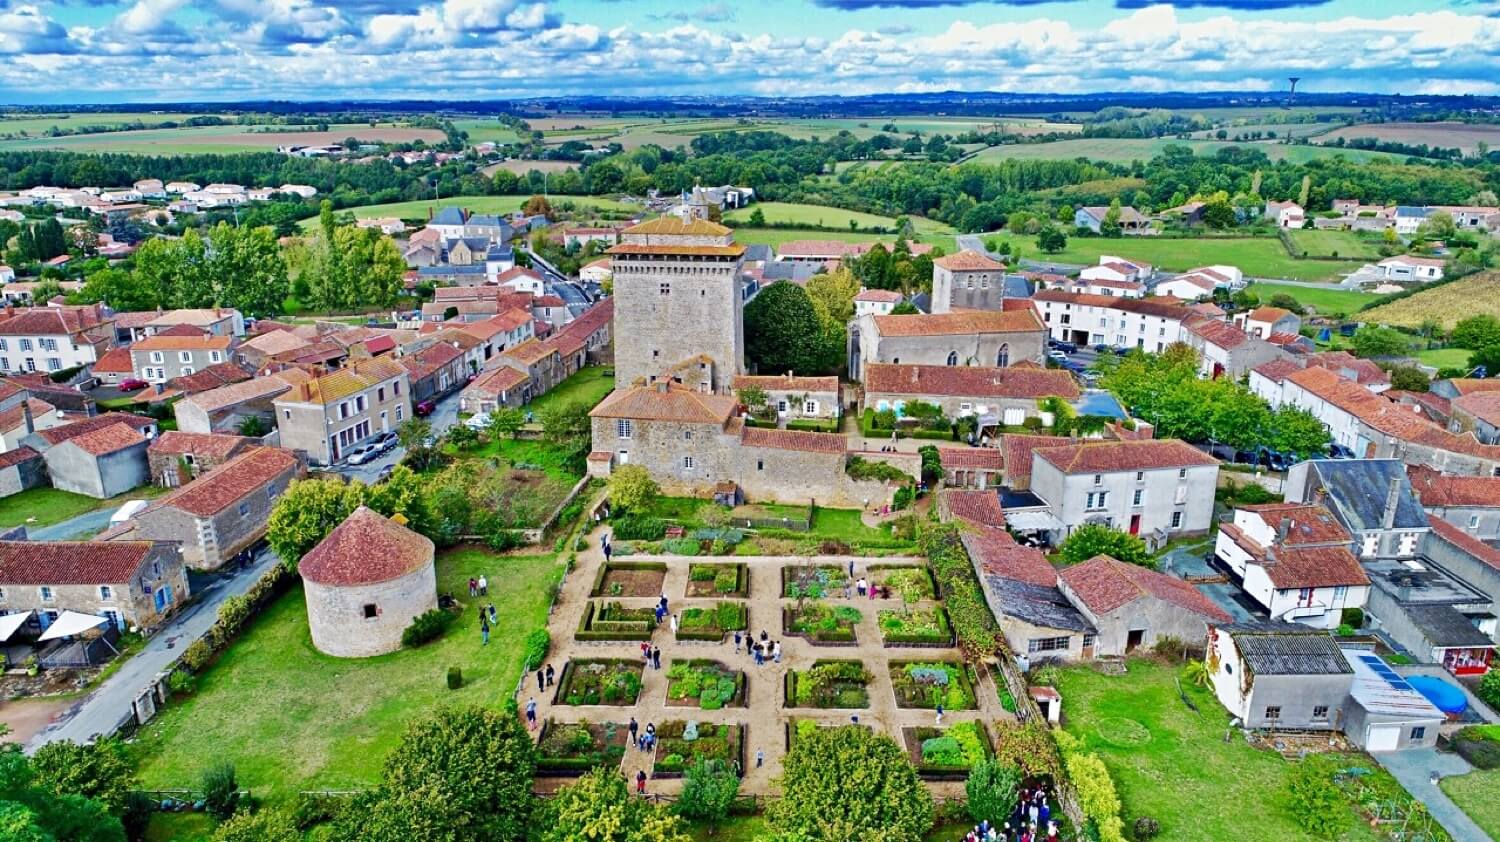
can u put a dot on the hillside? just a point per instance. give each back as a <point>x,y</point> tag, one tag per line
<point>1446,304</point>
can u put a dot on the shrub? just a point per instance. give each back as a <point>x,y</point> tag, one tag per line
<point>537,644</point>
<point>180,682</point>
<point>1146,828</point>
<point>425,627</point>
<point>220,790</point>
<point>860,468</point>
<point>681,546</point>
<point>197,655</point>
<point>1315,800</point>
<point>455,678</point>
<point>991,788</point>
<point>1354,617</point>
<point>639,528</point>
<point>1345,630</point>
<point>1489,689</point>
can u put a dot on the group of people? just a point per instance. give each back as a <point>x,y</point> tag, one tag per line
<point>479,586</point>
<point>764,649</point>
<point>1030,821</point>
<point>487,617</point>
<point>651,655</point>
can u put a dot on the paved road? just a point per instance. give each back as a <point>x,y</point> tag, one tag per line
<point>90,522</point>
<point>109,703</point>
<point>443,417</point>
<point>1414,768</point>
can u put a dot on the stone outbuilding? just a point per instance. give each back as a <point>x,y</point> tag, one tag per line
<point>365,583</point>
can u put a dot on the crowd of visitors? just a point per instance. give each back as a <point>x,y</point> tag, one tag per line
<point>1030,821</point>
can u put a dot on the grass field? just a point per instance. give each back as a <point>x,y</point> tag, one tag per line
<point>1472,296</point>
<point>1465,136</point>
<point>776,236</point>
<point>520,166</point>
<point>290,717</point>
<point>1445,357</point>
<point>478,204</point>
<point>47,506</point>
<point>587,386</point>
<point>481,130</point>
<point>1185,764</point>
<point>218,139</point>
<point>1262,257</point>
<point>814,215</point>
<point>35,124</point>
<point>1345,244</point>
<point>1325,301</point>
<point>1476,794</point>
<point>1124,150</point>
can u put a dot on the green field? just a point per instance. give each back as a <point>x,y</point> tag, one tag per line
<point>290,717</point>
<point>47,506</point>
<point>1125,150</point>
<point>1476,794</point>
<point>481,130</point>
<point>1345,244</point>
<point>418,210</point>
<point>1325,301</point>
<point>774,237</point>
<point>1262,257</point>
<point>1445,357</point>
<point>587,386</point>
<point>219,139</point>
<point>1185,761</point>
<point>36,124</point>
<point>813,215</point>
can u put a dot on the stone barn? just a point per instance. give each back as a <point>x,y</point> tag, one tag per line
<point>365,583</point>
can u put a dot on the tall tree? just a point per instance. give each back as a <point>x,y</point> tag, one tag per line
<point>846,783</point>
<point>247,270</point>
<point>598,807</point>
<point>120,290</point>
<point>783,332</point>
<point>307,512</point>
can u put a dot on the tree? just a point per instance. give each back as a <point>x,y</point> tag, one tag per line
<point>1286,302</point>
<point>709,788</point>
<point>414,433</point>
<point>1476,332</point>
<point>754,398</point>
<point>476,762</point>
<point>631,489</point>
<point>100,771</point>
<point>46,290</point>
<point>306,512</point>
<point>847,783</point>
<point>221,790</point>
<point>1489,357</point>
<point>253,426</point>
<point>1372,341</point>
<point>246,270</point>
<point>1110,226</point>
<point>568,429</point>
<point>1051,239</point>
<point>404,493</point>
<point>1410,378</point>
<point>120,290</point>
<point>1294,430</point>
<point>832,295</point>
<point>905,308</point>
<point>1218,213</point>
<point>757,219</point>
<point>598,807</point>
<point>1489,688</point>
<point>1092,539</point>
<point>537,205</point>
<point>782,332</point>
<point>505,422</point>
<point>991,789</point>
<point>264,825</point>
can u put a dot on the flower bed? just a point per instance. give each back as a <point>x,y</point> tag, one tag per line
<point>916,627</point>
<point>680,744</point>
<point>829,684</point>
<point>600,681</point>
<point>805,581</point>
<point>570,749</point>
<point>893,578</point>
<point>723,580</point>
<point>629,578</point>
<point>705,683</point>
<point>821,624</point>
<point>947,753</point>
<point>712,622</point>
<point>797,729</point>
<point>612,621</point>
<point>922,684</point>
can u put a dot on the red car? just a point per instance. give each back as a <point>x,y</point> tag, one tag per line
<point>425,408</point>
<point>132,384</point>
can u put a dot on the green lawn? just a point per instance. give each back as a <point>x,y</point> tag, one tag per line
<point>1478,794</point>
<point>47,506</point>
<point>789,213</point>
<point>1185,766</point>
<point>750,828</point>
<point>1346,244</point>
<point>587,386</point>
<point>290,717</point>
<point>1325,301</point>
<point>478,204</point>
<point>179,827</point>
<point>1260,257</point>
<point>1445,357</point>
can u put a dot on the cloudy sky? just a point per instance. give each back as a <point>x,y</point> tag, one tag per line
<point>175,50</point>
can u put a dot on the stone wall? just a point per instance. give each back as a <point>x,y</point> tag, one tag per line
<point>336,615</point>
<point>699,314</point>
<point>133,600</point>
<point>966,290</point>
<point>73,469</point>
<point>19,477</point>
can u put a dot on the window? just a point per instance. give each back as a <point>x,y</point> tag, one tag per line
<point>1097,498</point>
<point>1140,476</point>
<point>623,428</point>
<point>1177,520</point>
<point>156,357</point>
<point>1089,640</point>
<point>380,394</point>
<point>1340,593</point>
<point>4,346</point>
<point>1098,479</point>
<point>184,356</point>
<point>4,363</point>
<point>687,462</point>
<point>2,593</point>
<point>760,464</point>
<point>687,435</point>
<point>666,288</point>
<point>287,412</point>
<point>1320,711</point>
<point>49,344</point>
<point>105,593</point>
<point>1048,644</point>
<point>371,611</point>
<point>46,593</point>
<point>244,509</point>
<point>1473,521</point>
<point>400,412</point>
<point>1135,499</point>
<point>25,344</point>
<point>186,370</point>
<point>810,408</point>
<point>55,363</point>
<point>215,357</point>
<point>1182,473</point>
<point>952,358</point>
<point>360,403</point>
<point>1003,358</point>
<point>1418,732</point>
<point>1273,712</point>
<point>396,388</point>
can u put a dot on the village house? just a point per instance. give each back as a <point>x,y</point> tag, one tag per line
<point>1226,350</point>
<point>972,467</point>
<point>221,513</point>
<point>136,584</point>
<point>1407,268</point>
<point>1371,498</point>
<point>1021,589</point>
<point>1431,613</point>
<point>1132,607</point>
<point>967,280</point>
<point>1158,489</point>
<point>498,387</point>
<point>1478,413</point>
<point>102,456</point>
<point>876,302</point>
<point>1114,276</point>
<point>157,359</point>
<point>1294,561</point>
<point>578,236</point>
<point>1092,218</point>
<point>385,225</point>
<point>434,371</point>
<point>587,339</point>
<point>995,338</point>
<point>994,396</point>
<point>539,361</point>
<point>1199,283</point>
<point>794,398</point>
<point>522,279</point>
<point>176,457</point>
<point>1471,504</point>
<point>21,419</point>
<point>1084,319</point>
<point>227,408</point>
<point>1263,322</point>
<point>595,271</point>
<point>1384,712</point>
<point>453,223</point>
<point>327,415</point>
<point>21,468</point>
<point>52,338</point>
<point>1279,676</point>
<point>830,253</point>
<point>498,333</point>
<point>1286,214</point>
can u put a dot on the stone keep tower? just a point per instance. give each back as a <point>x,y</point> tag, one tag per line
<point>678,309</point>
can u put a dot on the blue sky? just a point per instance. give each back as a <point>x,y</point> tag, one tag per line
<point>174,50</point>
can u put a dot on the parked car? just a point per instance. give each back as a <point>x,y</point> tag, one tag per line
<point>130,384</point>
<point>1247,457</point>
<point>1338,451</point>
<point>360,454</point>
<point>1057,355</point>
<point>385,473</point>
<point>1067,347</point>
<point>1275,461</point>
<point>387,441</point>
<point>478,422</point>
<point>425,408</point>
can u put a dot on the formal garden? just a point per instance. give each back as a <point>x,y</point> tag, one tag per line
<point>821,623</point>
<point>712,622</point>
<point>600,681</point>
<point>927,684</point>
<point>947,753</point>
<point>706,684</point>
<point>830,684</point>
<point>726,580</point>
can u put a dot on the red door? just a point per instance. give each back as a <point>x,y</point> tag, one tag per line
<point>1135,524</point>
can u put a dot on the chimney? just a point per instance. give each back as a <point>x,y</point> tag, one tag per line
<point>1392,497</point>
<point>1144,430</point>
<point>26,416</point>
<point>1282,528</point>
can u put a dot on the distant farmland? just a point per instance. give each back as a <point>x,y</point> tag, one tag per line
<point>1465,136</point>
<point>220,139</point>
<point>1125,150</point>
<point>1447,304</point>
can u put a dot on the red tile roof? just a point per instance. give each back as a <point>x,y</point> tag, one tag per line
<point>107,440</point>
<point>493,381</point>
<point>1109,456</point>
<point>999,554</point>
<point>212,377</point>
<point>366,549</point>
<point>427,361</point>
<point>968,261</point>
<point>14,417</point>
<point>975,458</point>
<point>1307,523</point>
<point>58,435</point>
<point>42,321</point>
<point>115,360</point>
<point>1268,314</point>
<point>212,445</point>
<point>802,440</point>
<point>969,381</point>
<point>883,296</point>
<point>955,324</point>
<point>195,342</point>
<point>665,401</point>
<point>975,507</point>
<point>1018,448</point>
<point>1277,370</point>
<point>785,383</point>
<point>70,562</point>
<point>1467,385</point>
<point>1293,565</point>
<point>1484,406</point>
<point>1464,541</point>
<point>1221,334</point>
<point>231,482</point>
<point>1103,584</point>
<point>1438,489</point>
<point>17,455</point>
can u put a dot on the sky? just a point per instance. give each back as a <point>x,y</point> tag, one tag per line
<point>103,51</point>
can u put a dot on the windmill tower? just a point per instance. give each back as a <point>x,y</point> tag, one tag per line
<point>1291,95</point>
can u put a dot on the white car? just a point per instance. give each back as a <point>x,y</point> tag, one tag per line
<point>361,454</point>
<point>478,422</point>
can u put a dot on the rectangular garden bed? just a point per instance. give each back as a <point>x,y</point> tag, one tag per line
<point>821,624</point>
<point>916,628</point>
<point>600,681</point>
<point>712,622</point>
<point>613,621</point>
<point>798,728</point>
<point>922,684</point>
<point>680,744</point>
<point>894,578</point>
<point>806,581</point>
<point>721,580</point>
<point>571,749</point>
<point>705,684</point>
<point>840,685</point>
<point>629,578</point>
<point>947,754</point>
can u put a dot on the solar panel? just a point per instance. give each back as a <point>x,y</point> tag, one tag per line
<point>1370,659</point>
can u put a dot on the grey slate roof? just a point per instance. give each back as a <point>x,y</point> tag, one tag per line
<point>788,270</point>
<point>448,216</point>
<point>1037,604</point>
<point>1358,489</point>
<point>759,251</point>
<point>1277,648</point>
<point>1016,286</point>
<point>1444,626</point>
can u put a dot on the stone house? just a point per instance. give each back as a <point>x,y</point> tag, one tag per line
<point>1155,488</point>
<point>497,387</point>
<point>176,457</point>
<point>1226,350</point>
<point>225,408</point>
<point>215,321</point>
<point>586,339</point>
<point>794,398</point>
<point>327,415</point>
<point>967,280</point>
<point>157,359</point>
<point>1471,504</point>
<point>259,350</point>
<point>26,417</point>
<point>221,513</point>
<point>1022,591</point>
<point>434,371</point>
<point>1371,498</point>
<point>500,332</point>
<point>136,584</point>
<point>1479,414</point>
<point>1265,321</point>
<point>1133,607</point>
<point>994,396</point>
<point>972,467</point>
<point>996,338</point>
<point>1279,675</point>
<point>539,361</point>
<point>21,468</point>
<point>1294,560</point>
<point>101,457</point>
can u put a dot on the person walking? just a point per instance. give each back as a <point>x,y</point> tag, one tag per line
<point>736,641</point>
<point>607,550</point>
<point>650,739</point>
<point>531,714</point>
<point>760,659</point>
<point>656,658</point>
<point>484,585</point>
<point>939,714</point>
<point>550,674</point>
<point>541,680</point>
<point>473,587</point>
<point>851,568</point>
<point>861,586</point>
<point>494,617</point>
<point>760,757</point>
<point>635,733</point>
<point>674,624</point>
<point>640,782</point>
<point>484,630</point>
<point>776,651</point>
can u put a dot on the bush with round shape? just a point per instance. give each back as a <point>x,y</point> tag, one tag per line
<point>847,783</point>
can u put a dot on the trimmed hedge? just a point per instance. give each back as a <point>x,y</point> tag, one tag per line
<point>234,614</point>
<point>603,572</point>
<point>590,628</point>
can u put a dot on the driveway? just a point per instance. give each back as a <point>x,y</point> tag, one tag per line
<point>1414,768</point>
<point>109,704</point>
<point>89,523</point>
<point>443,417</point>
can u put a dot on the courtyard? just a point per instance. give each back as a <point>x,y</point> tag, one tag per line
<point>886,661</point>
